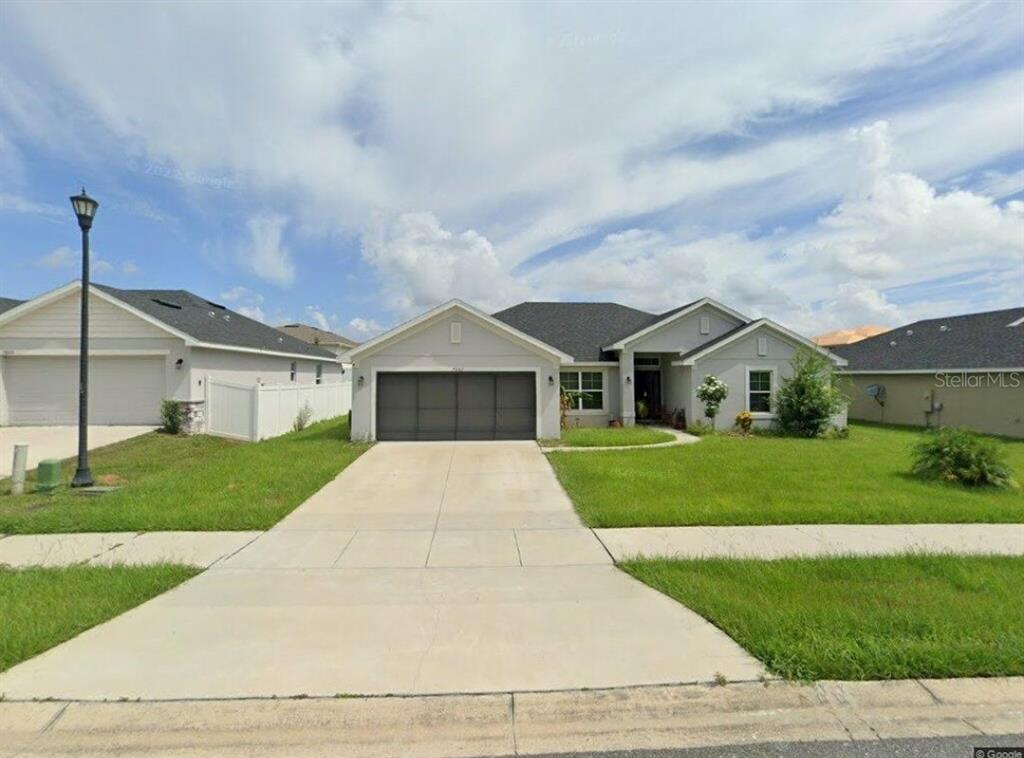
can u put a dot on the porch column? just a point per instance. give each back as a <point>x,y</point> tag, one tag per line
<point>626,388</point>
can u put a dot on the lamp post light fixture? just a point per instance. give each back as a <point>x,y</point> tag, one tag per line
<point>85,209</point>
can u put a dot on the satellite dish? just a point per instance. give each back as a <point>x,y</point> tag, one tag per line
<point>877,391</point>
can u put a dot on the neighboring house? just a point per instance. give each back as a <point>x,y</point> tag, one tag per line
<point>336,343</point>
<point>954,371</point>
<point>458,373</point>
<point>144,346</point>
<point>848,336</point>
<point>7,303</point>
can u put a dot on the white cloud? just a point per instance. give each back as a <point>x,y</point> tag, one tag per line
<point>102,267</point>
<point>129,268</point>
<point>59,257</point>
<point>10,203</point>
<point>318,317</point>
<point>245,301</point>
<point>364,328</point>
<point>263,254</point>
<point>420,264</point>
<point>336,114</point>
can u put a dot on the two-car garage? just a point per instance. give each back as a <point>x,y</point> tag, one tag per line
<point>456,406</point>
<point>44,390</point>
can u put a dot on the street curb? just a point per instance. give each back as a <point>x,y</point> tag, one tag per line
<point>654,717</point>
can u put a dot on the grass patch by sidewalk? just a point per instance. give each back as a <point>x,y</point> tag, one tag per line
<point>42,607</point>
<point>627,436</point>
<point>731,480</point>
<point>892,617</point>
<point>189,483</point>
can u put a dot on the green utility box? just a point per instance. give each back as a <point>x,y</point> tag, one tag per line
<point>48,475</point>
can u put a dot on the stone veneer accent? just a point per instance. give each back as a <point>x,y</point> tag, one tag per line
<point>193,417</point>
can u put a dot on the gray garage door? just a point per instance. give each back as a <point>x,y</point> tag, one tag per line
<point>456,406</point>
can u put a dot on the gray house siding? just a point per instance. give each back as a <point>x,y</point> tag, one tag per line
<point>429,347</point>
<point>731,364</point>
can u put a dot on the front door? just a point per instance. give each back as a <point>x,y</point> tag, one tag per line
<point>648,395</point>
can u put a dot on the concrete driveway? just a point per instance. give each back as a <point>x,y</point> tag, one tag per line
<point>57,441</point>
<point>423,568</point>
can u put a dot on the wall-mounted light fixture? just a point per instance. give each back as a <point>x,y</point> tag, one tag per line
<point>361,380</point>
<point>551,381</point>
<point>179,363</point>
<point>629,380</point>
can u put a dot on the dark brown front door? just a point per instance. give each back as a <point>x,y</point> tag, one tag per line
<point>648,390</point>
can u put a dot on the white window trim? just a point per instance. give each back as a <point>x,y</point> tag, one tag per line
<point>773,373</point>
<point>604,390</point>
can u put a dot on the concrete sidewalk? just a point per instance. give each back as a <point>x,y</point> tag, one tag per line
<point>648,718</point>
<point>201,549</point>
<point>811,540</point>
<point>559,546</point>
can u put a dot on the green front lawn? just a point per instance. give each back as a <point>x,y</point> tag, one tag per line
<point>727,480</point>
<point>893,617</point>
<point>627,436</point>
<point>189,483</point>
<point>42,607</point>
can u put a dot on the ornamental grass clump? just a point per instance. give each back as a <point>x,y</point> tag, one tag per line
<point>959,456</point>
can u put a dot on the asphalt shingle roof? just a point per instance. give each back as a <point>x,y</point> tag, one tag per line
<point>7,303</point>
<point>316,336</point>
<point>976,340</point>
<point>191,314</point>
<point>580,329</point>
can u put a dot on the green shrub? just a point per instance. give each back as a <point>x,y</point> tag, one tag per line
<point>959,456</point>
<point>172,417</point>
<point>806,401</point>
<point>700,428</point>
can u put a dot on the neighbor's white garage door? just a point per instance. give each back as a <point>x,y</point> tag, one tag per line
<point>43,391</point>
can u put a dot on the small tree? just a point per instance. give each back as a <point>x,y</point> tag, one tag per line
<point>807,401</point>
<point>711,393</point>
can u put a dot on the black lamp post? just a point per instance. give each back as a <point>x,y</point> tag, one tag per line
<point>85,208</point>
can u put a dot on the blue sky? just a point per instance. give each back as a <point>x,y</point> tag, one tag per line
<point>351,165</point>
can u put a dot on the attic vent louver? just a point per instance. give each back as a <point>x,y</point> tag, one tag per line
<point>212,314</point>
<point>943,328</point>
<point>166,303</point>
<point>227,316</point>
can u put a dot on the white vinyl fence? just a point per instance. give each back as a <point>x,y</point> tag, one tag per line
<point>257,412</point>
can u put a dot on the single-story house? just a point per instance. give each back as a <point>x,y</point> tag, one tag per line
<point>144,346</point>
<point>953,371</point>
<point>458,373</point>
<point>314,335</point>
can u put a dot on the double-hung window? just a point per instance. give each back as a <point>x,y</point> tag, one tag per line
<point>319,373</point>
<point>293,371</point>
<point>759,390</point>
<point>586,388</point>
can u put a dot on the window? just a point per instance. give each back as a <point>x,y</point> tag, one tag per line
<point>647,361</point>
<point>586,388</point>
<point>759,391</point>
<point>294,371</point>
<point>319,373</point>
<point>705,325</point>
